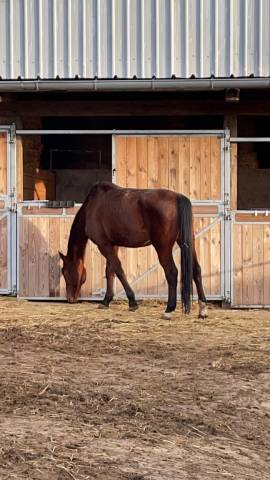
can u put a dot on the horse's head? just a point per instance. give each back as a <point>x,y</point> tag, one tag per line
<point>75,275</point>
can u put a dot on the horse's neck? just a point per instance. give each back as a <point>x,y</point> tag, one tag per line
<point>77,238</point>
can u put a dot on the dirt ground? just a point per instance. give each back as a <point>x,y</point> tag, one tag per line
<point>111,394</point>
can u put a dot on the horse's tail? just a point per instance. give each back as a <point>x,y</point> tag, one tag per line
<point>186,244</point>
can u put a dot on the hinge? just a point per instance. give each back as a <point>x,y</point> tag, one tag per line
<point>14,290</point>
<point>12,136</point>
<point>13,203</point>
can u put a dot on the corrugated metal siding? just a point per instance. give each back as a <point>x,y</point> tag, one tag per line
<point>47,38</point>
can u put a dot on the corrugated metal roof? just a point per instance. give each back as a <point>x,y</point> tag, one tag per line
<point>127,38</point>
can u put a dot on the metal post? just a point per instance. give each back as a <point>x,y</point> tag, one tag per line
<point>227,265</point>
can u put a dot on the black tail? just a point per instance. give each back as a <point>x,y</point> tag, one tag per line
<point>186,244</point>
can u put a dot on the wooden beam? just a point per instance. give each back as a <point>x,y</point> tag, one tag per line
<point>132,107</point>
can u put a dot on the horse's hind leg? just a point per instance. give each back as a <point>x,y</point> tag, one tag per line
<point>167,262</point>
<point>197,277</point>
<point>111,255</point>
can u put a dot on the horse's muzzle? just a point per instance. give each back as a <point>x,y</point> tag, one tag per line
<point>72,300</point>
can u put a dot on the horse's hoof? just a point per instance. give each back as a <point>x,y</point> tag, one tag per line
<point>166,316</point>
<point>202,316</point>
<point>133,308</point>
<point>203,313</point>
<point>102,306</point>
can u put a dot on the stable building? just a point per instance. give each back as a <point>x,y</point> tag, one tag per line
<point>149,94</point>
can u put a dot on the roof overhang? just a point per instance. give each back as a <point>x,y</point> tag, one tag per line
<point>126,85</point>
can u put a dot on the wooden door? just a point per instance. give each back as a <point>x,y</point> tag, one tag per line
<point>42,232</point>
<point>250,259</point>
<point>191,165</point>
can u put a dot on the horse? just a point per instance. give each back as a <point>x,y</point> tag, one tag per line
<point>113,217</point>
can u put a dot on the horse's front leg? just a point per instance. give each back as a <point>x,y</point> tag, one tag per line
<point>110,284</point>
<point>110,253</point>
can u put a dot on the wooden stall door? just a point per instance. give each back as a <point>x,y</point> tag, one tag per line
<point>187,164</point>
<point>4,216</point>
<point>251,259</point>
<point>42,232</point>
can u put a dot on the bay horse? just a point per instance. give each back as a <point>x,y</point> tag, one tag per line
<point>113,217</point>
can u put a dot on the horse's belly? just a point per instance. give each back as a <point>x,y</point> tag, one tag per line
<point>129,238</point>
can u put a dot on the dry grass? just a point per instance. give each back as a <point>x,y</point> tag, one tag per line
<point>94,394</point>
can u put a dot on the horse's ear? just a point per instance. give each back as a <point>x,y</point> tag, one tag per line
<point>62,256</point>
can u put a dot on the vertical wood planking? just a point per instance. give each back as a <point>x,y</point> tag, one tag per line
<point>142,162</point>
<point>266,265</point>
<point>247,265</point>
<point>173,153</point>
<point>237,265</point>
<point>3,252</point>
<point>130,265</point>
<point>215,153</point>
<point>131,162</point>
<point>33,277</point>
<point>215,259</point>
<point>24,257</point>
<point>42,233</point>
<point>163,182</point>
<point>65,225</point>
<point>205,175</point>
<point>87,286</point>
<point>184,166</point>
<point>257,248</point>
<point>205,248</point>
<point>3,163</point>
<point>195,168</point>
<point>152,162</point>
<point>153,182</point>
<point>120,161</point>
<point>142,172</point>
<point>54,259</point>
<point>163,162</point>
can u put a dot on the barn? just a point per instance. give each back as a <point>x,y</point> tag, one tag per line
<point>148,94</point>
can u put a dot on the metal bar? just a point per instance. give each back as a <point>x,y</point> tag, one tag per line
<point>113,160</point>
<point>98,33</point>
<point>175,249</point>
<point>26,42</point>
<point>226,226</point>
<point>172,36</point>
<point>249,139</point>
<point>250,306</point>
<point>113,48</point>
<point>142,35</point>
<point>157,46</point>
<point>127,38</point>
<point>54,37</point>
<point>164,297</point>
<point>10,31</point>
<point>122,132</point>
<point>40,39</point>
<point>68,37</point>
<point>83,39</point>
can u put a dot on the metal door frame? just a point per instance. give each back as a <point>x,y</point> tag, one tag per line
<point>223,204</point>
<point>9,211</point>
<point>235,222</point>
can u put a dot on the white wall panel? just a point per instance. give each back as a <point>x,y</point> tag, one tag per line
<point>47,38</point>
